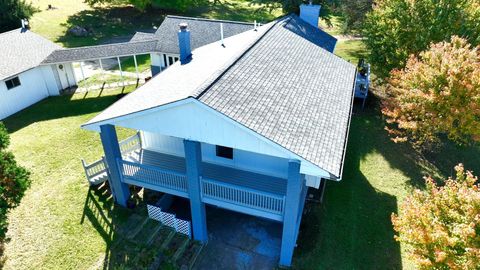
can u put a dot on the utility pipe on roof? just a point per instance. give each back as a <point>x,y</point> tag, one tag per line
<point>221,33</point>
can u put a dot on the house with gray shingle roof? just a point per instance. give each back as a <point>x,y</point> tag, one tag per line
<point>161,45</point>
<point>29,58</point>
<point>249,124</point>
<point>23,80</point>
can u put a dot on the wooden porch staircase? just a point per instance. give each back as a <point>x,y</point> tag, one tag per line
<point>166,246</point>
<point>97,171</point>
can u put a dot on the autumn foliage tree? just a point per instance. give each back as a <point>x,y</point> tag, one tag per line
<point>441,225</point>
<point>436,93</point>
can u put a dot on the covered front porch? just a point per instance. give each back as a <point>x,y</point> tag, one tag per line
<point>226,187</point>
<point>276,198</point>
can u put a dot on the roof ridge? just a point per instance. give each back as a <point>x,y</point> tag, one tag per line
<point>13,30</point>
<point>215,77</point>
<point>207,19</point>
<point>110,44</point>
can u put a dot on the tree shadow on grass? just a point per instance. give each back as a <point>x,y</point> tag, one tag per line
<point>115,225</point>
<point>57,107</point>
<point>233,10</point>
<point>105,23</point>
<point>352,229</point>
<point>118,24</point>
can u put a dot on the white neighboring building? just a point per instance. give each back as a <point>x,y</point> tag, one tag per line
<point>23,81</point>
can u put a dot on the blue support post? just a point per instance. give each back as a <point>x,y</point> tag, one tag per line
<point>193,160</point>
<point>292,205</point>
<point>120,190</point>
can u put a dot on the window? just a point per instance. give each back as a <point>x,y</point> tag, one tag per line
<point>170,61</point>
<point>225,152</point>
<point>175,59</point>
<point>12,83</point>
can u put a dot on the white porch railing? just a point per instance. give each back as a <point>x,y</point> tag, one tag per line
<point>96,172</point>
<point>130,144</point>
<point>243,196</point>
<point>151,175</point>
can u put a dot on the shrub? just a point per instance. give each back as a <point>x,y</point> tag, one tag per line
<point>436,93</point>
<point>441,225</point>
<point>14,181</point>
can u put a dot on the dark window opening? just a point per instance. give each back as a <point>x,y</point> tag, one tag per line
<point>165,60</point>
<point>176,59</point>
<point>225,152</point>
<point>170,61</point>
<point>12,83</point>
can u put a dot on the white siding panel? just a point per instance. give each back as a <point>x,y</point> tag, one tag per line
<point>50,82</point>
<point>33,88</point>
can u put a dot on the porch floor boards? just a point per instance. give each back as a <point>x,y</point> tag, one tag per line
<point>256,181</point>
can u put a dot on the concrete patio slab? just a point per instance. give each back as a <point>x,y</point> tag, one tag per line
<point>238,241</point>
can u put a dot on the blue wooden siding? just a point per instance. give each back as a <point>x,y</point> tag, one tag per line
<point>228,175</point>
<point>243,160</point>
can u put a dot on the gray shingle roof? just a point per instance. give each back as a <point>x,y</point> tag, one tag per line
<point>100,51</point>
<point>281,82</point>
<point>202,32</point>
<point>22,50</point>
<point>165,40</point>
<point>292,92</point>
<point>142,36</point>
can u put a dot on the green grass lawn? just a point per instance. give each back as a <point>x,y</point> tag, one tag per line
<point>351,50</point>
<point>107,22</point>
<point>45,229</point>
<point>99,79</point>
<point>143,63</point>
<point>352,228</point>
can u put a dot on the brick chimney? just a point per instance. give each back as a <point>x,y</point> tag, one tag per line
<point>184,43</point>
<point>310,13</point>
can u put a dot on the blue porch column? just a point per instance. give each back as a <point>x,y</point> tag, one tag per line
<point>193,160</point>
<point>292,205</point>
<point>120,190</point>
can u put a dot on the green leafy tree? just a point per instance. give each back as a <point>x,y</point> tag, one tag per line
<point>354,12</point>
<point>436,93</point>
<point>12,12</point>
<point>14,181</point>
<point>395,29</point>
<point>441,225</point>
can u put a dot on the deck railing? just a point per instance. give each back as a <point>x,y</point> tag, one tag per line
<point>154,176</point>
<point>243,196</point>
<point>96,172</point>
<point>130,144</point>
